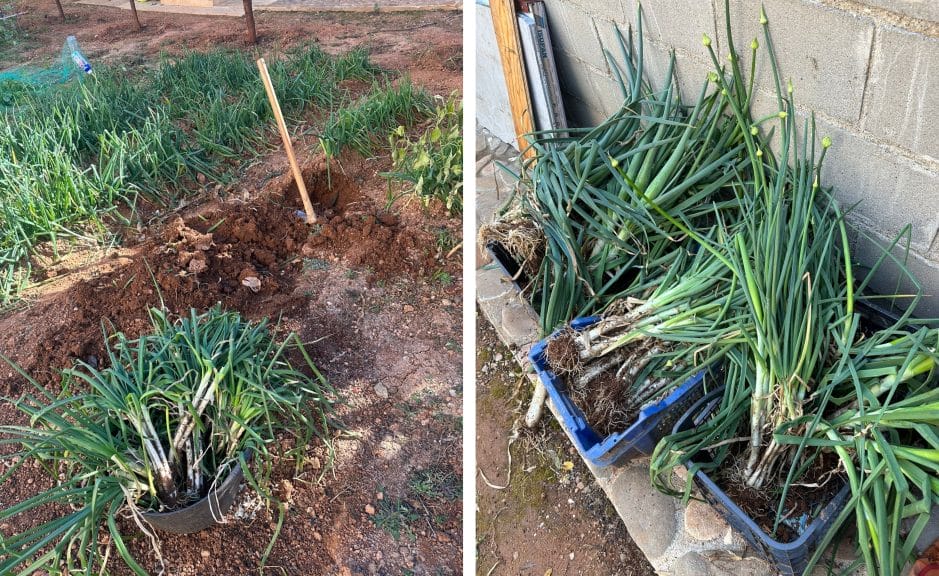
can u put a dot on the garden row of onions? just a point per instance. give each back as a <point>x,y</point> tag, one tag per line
<point>704,237</point>
<point>72,154</point>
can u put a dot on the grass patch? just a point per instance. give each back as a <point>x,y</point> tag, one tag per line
<point>315,264</point>
<point>442,277</point>
<point>444,240</point>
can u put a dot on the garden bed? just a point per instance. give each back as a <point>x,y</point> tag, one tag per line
<point>348,285</point>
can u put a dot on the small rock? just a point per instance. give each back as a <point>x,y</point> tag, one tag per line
<point>379,496</point>
<point>408,308</point>
<point>369,509</point>
<point>723,563</point>
<point>252,282</point>
<point>317,536</point>
<point>381,391</point>
<point>702,522</point>
<point>288,490</point>
<point>205,554</point>
<point>497,357</point>
<point>691,564</point>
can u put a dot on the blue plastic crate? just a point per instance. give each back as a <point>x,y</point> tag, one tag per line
<point>654,422</point>
<point>790,558</point>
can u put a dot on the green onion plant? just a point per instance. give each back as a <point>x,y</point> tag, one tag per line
<point>156,429</point>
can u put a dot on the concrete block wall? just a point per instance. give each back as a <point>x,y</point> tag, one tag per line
<point>869,69</point>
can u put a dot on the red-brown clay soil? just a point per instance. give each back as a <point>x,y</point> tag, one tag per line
<point>427,46</point>
<point>350,285</point>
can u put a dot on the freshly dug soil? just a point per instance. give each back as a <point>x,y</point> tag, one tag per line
<point>206,258</point>
<point>807,497</point>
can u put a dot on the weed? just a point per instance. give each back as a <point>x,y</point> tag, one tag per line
<point>449,420</point>
<point>444,240</point>
<point>435,483</point>
<point>395,517</point>
<point>442,277</point>
<point>432,165</point>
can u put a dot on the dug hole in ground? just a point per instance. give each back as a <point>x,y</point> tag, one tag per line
<point>349,287</point>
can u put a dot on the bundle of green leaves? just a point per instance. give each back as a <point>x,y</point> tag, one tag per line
<point>431,167</point>
<point>157,429</point>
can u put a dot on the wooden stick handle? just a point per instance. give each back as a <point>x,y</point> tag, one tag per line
<point>285,136</point>
<point>505,26</point>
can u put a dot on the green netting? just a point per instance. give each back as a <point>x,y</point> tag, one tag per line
<point>21,81</point>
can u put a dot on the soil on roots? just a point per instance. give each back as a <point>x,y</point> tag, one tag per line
<point>606,403</point>
<point>562,353</point>
<point>804,499</point>
<point>605,399</point>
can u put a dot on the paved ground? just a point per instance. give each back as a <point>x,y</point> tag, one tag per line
<point>234,7</point>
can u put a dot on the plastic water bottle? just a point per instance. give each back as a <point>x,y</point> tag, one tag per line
<point>77,55</point>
